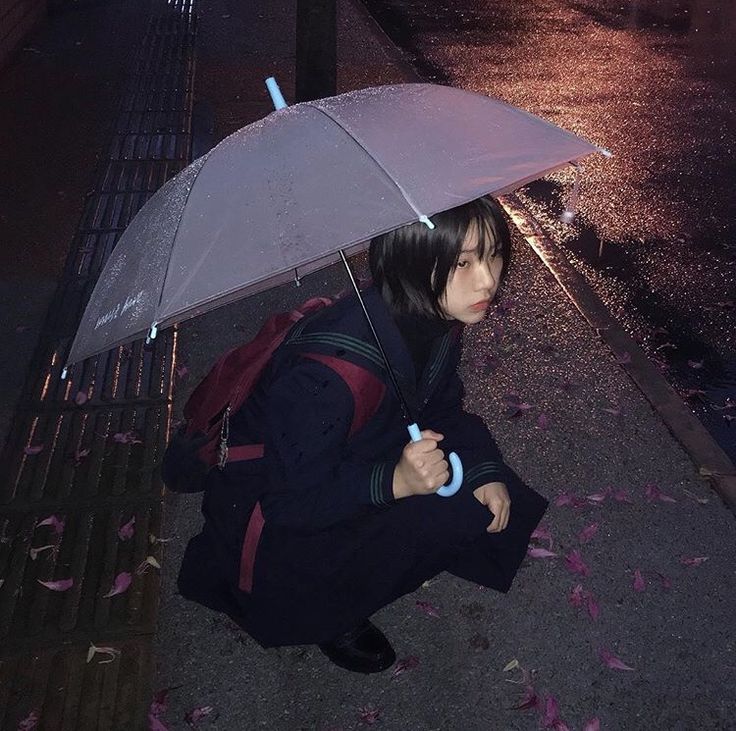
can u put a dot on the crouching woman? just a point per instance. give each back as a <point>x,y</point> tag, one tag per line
<point>332,512</point>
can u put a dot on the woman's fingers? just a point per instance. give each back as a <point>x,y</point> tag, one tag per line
<point>501,510</point>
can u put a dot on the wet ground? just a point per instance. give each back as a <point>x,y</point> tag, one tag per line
<point>655,83</point>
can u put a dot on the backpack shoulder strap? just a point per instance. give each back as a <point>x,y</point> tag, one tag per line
<point>367,389</point>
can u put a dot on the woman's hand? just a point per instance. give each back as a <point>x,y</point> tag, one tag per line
<point>422,468</point>
<point>495,497</point>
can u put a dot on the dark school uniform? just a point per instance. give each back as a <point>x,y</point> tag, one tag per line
<point>303,539</point>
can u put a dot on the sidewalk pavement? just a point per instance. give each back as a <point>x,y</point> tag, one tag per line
<point>658,544</point>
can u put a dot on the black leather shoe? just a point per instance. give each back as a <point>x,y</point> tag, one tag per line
<point>363,649</point>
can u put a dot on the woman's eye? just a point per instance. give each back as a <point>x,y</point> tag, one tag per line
<point>462,264</point>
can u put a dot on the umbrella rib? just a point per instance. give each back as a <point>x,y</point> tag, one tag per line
<point>361,144</point>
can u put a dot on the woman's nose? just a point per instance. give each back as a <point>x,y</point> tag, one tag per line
<point>485,279</point>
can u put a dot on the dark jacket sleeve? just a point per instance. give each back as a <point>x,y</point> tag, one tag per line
<point>312,485</point>
<point>464,433</point>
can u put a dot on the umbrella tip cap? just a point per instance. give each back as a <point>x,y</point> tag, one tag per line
<point>425,220</point>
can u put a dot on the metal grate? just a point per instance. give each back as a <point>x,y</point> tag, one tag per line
<point>95,441</point>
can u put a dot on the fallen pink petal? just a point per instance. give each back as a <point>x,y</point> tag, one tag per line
<point>537,552</point>
<point>542,533</point>
<point>577,596</point>
<point>639,583</point>
<point>572,500</point>
<point>120,585</point>
<point>593,725</point>
<point>408,663</point>
<point>613,410</point>
<point>574,562</point>
<point>369,715</point>
<point>597,497</point>
<point>611,661</point>
<point>125,532</point>
<point>529,700</point>
<point>664,581</point>
<point>694,561</point>
<point>653,493</point>
<point>543,421</point>
<point>29,722</point>
<point>160,702</point>
<point>156,724</point>
<point>587,533</point>
<point>33,449</point>
<point>197,714</point>
<point>622,496</point>
<point>594,608</point>
<point>81,398</point>
<point>59,585</point>
<point>55,522</point>
<point>426,608</point>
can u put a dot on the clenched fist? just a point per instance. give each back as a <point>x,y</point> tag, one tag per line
<point>422,468</point>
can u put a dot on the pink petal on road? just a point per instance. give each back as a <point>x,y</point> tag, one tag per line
<point>543,421</point>
<point>639,583</point>
<point>529,700</point>
<point>160,702</point>
<point>126,531</point>
<point>537,552</point>
<point>551,713</point>
<point>369,715</point>
<point>613,410</point>
<point>426,608</point>
<point>666,583</point>
<point>597,497</point>
<point>594,609</point>
<point>60,585</point>
<point>574,562</point>
<point>593,725</point>
<point>577,596</point>
<point>408,663</point>
<point>33,449</point>
<point>121,584</point>
<point>610,660</point>
<point>55,522</point>
<point>572,500</point>
<point>29,722</point>
<point>156,724</point>
<point>653,493</point>
<point>587,533</point>
<point>81,398</point>
<point>197,714</point>
<point>695,561</point>
<point>622,496</point>
<point>542,533</point>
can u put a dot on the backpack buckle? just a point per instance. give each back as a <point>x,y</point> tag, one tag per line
<point>224,437</point>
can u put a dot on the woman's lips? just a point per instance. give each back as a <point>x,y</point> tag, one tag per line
<point>478,306</point>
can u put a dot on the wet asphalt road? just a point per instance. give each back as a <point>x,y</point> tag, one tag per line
<point>654,82</point>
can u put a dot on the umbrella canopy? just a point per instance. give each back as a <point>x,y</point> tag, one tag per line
<point>281,197</point>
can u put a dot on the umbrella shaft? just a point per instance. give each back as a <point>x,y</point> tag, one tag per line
<point>404,406</point>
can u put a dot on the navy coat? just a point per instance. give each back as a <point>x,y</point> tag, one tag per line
<point>329,545</point>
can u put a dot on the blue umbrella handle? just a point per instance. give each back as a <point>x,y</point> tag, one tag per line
<point>457,466</point>
<point>276,96</point>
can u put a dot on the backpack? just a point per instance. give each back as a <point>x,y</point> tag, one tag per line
<point>224,390</point>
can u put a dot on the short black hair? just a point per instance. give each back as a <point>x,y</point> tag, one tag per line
<point>410,265</point>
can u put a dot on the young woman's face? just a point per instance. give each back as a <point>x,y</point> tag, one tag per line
<point>472,286</point>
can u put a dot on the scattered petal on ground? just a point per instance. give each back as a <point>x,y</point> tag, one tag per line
<point>598,497</point>
<point>121,584</point>
<point>110,653</point>
<point>594,609</point>
<point>511,665</point>
<point>621,495</point>
<point>701,500</point>
<point>587,533</point>
<point>593,725</point>
<point>81,398</point>
<point>614,410</point>
<point>653,493</point>
<point>666,583</point>
<point>33,449</point>
<point>147,564</point>
<point>694,561</point>
<point>29,722</point>
<point>529,700</point>
<point>610,660</point>
<point>33,553</point>
<point>639,583</point>
<point>574,562</point>
<point>156,724</point>
<point>537,552</point>
<point>126,531</point>
<point>550,712</point>
<point>572,500</point>
<point>60,585</point>
<point>577,596</point>
<point>401,666</point>
<point>543,421</point>
<point>369,715</point>
<point>197,714</point>
<point>55,522</point>
<point>429,609</point>
<point>542,533</point>
<point>160,702</point>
